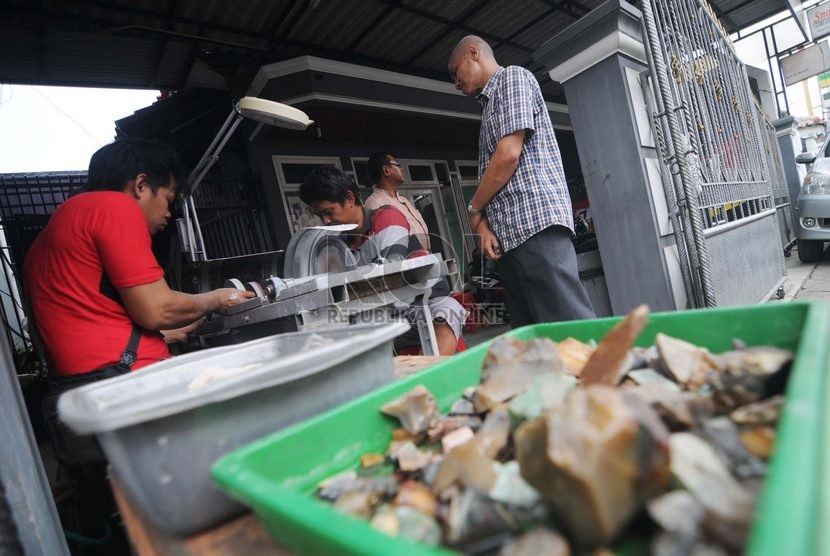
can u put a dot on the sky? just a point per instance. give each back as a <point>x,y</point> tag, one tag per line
<point>58,128</point>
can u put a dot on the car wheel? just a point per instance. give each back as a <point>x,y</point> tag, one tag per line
<point>810,251</point>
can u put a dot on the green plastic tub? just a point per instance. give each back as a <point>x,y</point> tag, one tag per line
<point>277,475</point>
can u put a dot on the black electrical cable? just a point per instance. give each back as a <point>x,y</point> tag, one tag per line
<point>92,541</point>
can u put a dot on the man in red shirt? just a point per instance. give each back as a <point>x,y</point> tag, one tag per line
<point>98,295</point>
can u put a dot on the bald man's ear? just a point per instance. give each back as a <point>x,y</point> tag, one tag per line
<point>473,52</point>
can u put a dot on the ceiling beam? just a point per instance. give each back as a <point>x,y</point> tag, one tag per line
<point>353,58</point>
<point>130,10</point>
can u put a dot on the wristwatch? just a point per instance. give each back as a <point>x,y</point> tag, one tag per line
<point>471,209</point>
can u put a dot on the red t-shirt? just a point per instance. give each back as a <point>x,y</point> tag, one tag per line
<point>95,242</point>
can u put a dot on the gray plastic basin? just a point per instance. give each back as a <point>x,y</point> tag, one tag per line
<point>164,426</point>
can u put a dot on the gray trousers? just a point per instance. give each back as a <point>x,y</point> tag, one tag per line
<point>541,280</point>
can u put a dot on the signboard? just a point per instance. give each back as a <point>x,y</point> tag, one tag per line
<point>819,19</point>
<point>811,61</point>
<point>824,80</point>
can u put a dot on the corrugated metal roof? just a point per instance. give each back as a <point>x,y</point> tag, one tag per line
<point>326,24</point>
<point>436,58</point>
<point>69,58</point>
<point>745,14</point>
<point>509,56</point>
<point>442,8</point>
<point>540,31</point>
<point>174,61</point>
<point>502,18</point>
<point>155,43</point>
<point>385,39</point>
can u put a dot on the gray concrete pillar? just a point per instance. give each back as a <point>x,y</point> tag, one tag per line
<point>598,60</point>
<point>786,130</point>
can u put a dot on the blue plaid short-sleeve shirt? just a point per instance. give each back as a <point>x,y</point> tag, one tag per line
<point>536,196</point>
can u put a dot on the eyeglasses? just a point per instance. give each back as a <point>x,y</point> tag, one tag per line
<point>398,164</point>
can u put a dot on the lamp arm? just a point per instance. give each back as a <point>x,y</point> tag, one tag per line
<point>255,109</point>
<point>186,232</point>
<point>196,232</point>
<point>195,242</point>
<point>212,153</point>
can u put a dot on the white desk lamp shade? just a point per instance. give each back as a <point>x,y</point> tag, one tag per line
<point>272,113</point>
<point>252,108</point>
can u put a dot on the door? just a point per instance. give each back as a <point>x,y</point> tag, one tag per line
<point>429,202</point>
<point>291,170</point>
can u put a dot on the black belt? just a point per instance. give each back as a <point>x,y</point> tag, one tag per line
<point>124,365</point>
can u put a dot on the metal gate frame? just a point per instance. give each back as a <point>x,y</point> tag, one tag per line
<point>230,215</point>
<point>716,169</point>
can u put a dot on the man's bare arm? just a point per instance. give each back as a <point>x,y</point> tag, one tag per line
<point>502,165</point>
<point>175,335</point>
<point>155,306</point>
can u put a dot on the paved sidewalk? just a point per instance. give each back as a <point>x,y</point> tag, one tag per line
<point>810,281</point>
<point>807,280</point>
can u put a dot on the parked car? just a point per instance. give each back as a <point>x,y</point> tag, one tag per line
<point>812,226</point>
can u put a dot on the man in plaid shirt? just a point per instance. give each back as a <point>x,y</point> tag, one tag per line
<point>521,209</point>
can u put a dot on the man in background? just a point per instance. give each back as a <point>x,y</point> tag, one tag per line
<point>387,176</point>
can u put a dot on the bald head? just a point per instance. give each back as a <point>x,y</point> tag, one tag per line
<point>478,43</point>
<point>471,65</point>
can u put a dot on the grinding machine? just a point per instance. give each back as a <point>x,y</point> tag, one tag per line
<point>322,285</point>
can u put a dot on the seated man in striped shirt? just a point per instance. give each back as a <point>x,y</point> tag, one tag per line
<point>387,175</point>
<point>381,234</point>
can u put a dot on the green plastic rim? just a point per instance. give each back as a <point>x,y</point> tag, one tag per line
<point>277,475</point>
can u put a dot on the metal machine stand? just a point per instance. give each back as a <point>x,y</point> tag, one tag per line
<point>426,330</point>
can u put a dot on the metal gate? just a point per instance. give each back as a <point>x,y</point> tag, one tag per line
<point>717,170</point>
<point>27,200</point>
<point>231,218</point>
